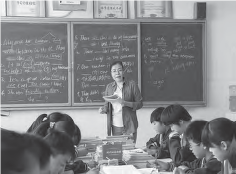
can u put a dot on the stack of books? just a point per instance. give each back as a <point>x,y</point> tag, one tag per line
<point>127,142</point>
<point>137,157</point>
<point>90,143</point>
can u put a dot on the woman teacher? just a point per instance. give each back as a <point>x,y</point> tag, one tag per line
<point>121,114</point>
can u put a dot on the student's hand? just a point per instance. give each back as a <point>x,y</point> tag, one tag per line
<point>151,164</point>
<point>152,151</point>
<point>92,164</point>
<point>174,134</point>
<point>162,165</point>
<point>183,167</point>
<point>178,171</point>
<point>102,110</point>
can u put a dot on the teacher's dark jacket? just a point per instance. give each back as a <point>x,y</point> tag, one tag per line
<point>130,93</point>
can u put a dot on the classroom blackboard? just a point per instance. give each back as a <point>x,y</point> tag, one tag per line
<point>35,64</point>
<point>173,62</point>
<point>95,47</point>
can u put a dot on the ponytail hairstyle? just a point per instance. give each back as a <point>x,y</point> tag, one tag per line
<point>218,130</point>
<point>45,124</point>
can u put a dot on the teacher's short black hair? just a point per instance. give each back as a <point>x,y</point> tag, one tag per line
<point>115,63</point>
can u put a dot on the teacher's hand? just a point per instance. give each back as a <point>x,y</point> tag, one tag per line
<point>121,101</point>
<point>101,110</point>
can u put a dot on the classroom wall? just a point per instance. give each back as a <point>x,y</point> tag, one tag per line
<point>221,72</point>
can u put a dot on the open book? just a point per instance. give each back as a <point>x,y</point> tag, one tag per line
<point>111,98</point>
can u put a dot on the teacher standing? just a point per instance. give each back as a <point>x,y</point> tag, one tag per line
<point>121,115</point>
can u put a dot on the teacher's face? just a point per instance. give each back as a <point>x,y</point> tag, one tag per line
<point>117,72</point>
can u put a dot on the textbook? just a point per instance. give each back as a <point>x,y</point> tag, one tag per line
<point>111,98</point>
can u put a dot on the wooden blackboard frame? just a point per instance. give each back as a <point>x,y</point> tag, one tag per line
<point>96,104</point>
<point>49,105</point>
<point>204,69</point>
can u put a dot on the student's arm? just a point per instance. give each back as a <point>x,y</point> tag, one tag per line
<point>193,165</point>
<point>179,154</point>
<point>162,153</point>
<point>153,141</point>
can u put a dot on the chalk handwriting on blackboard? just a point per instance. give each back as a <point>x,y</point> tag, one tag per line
<point>94,52</point>
<point>172,62</point>
<point>32,70</point>
<point>171,56</point>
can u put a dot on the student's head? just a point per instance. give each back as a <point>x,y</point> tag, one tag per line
<point>193,135</point>
<point>60,122</point>
<point>24,154</point>
<point>155,120</point>
<point>116,69</point>
<point>62,150</point>
<point>218,134</point>
<point>177,117</point>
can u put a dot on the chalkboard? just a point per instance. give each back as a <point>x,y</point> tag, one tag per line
<point>95,47</point>
<point>173,63</point>
<point>35,64</point>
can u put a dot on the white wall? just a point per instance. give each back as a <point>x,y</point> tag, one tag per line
<point>221,57</point>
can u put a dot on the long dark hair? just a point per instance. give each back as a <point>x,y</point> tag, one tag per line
<point>45,124</point>
<point>218,130</point>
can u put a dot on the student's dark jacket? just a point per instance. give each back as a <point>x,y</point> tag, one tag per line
<point>200,166</point>
<point>163,149</point>
<point>180,152</point>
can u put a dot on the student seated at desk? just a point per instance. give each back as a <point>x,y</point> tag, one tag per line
<point>158,145</point>
<point>178,118</point>
<point>205,162</point>
<point>219,135</point>
<point>63,151</point>
<point>24,154</point>
<point>61,122</point>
